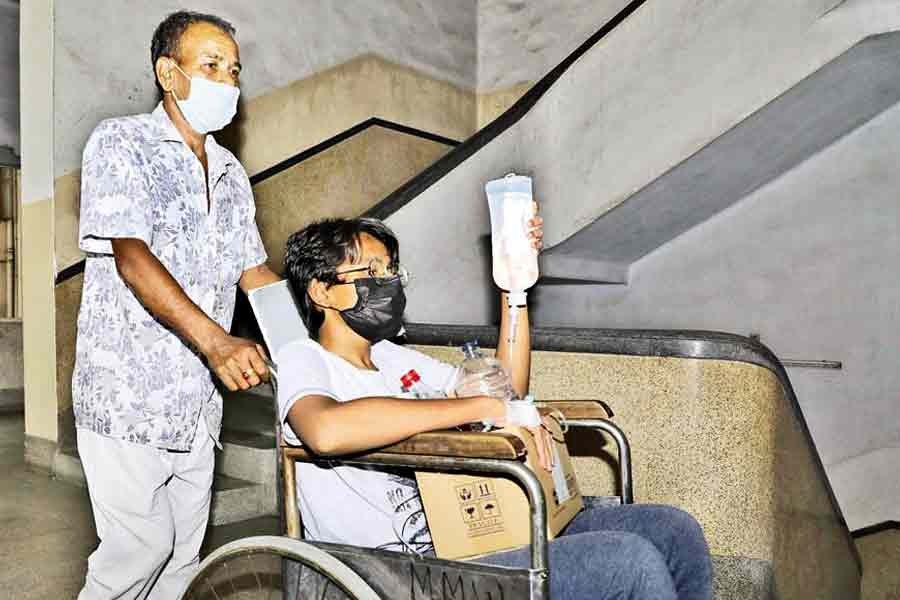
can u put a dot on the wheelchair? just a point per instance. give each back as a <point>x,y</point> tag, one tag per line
<point>270,567</point>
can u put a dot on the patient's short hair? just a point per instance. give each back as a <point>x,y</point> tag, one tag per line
<point>315,252</point>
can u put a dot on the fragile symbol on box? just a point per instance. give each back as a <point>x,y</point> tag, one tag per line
<point>470,513</point>
<point>480,508</point>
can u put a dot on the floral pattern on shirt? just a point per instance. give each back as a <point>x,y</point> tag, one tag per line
<point>134,378</point>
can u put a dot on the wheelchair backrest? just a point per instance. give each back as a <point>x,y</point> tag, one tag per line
<point>276,313</point>
<point>279,321</point>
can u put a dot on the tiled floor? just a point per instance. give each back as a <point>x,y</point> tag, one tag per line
<point>46,528</point>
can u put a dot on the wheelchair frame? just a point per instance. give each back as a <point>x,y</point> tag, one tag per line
<point>401,575</point>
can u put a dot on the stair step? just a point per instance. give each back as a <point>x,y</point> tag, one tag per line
<point>248,456</point>
<point>561,265</point>
<point>220,535</point>
<point>67,466</point>
<point>260,440</point>
<point>248,436</point>
<point>251,411</point>
<point>224,483</point>
<point>239,500</point>
<point>245,468</point>
<point>553,281</point>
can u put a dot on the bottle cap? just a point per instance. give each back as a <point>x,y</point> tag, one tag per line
<point>410,378</point>
<point>470,349</point>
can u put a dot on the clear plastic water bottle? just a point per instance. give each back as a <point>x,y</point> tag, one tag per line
<point>413,384</point>
<point>480,375</point>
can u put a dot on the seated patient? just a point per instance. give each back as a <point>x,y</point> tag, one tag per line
<point>338,394</point>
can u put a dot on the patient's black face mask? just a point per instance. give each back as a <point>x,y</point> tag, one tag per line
<point>378,312</point>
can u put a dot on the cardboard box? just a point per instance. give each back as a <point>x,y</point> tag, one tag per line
<point>472,515</point>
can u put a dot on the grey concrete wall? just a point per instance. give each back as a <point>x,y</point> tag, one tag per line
<point>9,77</point>
<point>445,234</point>
<point>810,263</point>
<point>103,59</point>
<point>671,79</point>
<point>488,44</point>
<point>11,366</point>
<point>520,41</point>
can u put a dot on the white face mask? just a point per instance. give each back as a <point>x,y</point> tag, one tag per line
<point>210,106</point>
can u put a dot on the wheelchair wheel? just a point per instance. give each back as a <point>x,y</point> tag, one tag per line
<point>275,568</point>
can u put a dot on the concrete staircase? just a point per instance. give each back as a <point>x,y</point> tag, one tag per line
<point>835,100</point>
<point>680,112</point>
<point>244,486</point>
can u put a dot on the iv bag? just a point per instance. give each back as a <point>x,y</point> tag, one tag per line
<point>515,263</point>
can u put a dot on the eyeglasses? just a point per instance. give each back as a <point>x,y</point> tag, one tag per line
<point>380,272</point>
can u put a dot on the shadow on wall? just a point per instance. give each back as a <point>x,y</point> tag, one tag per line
<point>11,364</point>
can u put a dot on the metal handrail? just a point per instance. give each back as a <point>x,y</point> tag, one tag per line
<point>812,364</point>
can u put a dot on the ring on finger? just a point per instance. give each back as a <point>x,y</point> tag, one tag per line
<point>247,374</point>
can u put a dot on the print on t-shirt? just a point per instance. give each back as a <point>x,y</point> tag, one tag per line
<point>409,517</point>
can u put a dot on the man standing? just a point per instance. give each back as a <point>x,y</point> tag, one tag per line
<point>168,225</point>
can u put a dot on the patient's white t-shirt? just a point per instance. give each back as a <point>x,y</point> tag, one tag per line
<point>351,505</point>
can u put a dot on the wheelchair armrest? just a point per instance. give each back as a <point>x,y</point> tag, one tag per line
<point>574,410</point>
<point>458,444</point>
<point>461,444</point>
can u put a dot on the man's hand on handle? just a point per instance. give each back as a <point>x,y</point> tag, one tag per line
<point>238,362</point>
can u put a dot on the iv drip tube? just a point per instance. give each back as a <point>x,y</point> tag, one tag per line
<point>514,303</point>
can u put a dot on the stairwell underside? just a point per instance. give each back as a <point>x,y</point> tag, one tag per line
<point>835,100</point>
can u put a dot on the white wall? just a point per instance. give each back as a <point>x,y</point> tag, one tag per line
<point>103,54</point>
<point>9,75</point>
<point>521,41</point>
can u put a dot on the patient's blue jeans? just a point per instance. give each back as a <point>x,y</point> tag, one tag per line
<point>636,551</point>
